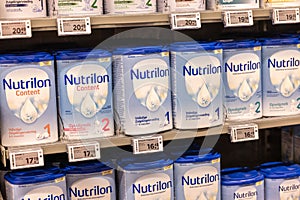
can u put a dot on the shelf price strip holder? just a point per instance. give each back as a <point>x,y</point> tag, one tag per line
<point>147,144</point>
<point>181,21</point>
<point>26,158</point>
<point>83,151</point>
<point>285,16</point>
<point>244,132</point>
<point>74,26</point>
<point>237,18</point>
<point>15,29</point>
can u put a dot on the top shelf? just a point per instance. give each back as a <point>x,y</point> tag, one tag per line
<point>115,21</point>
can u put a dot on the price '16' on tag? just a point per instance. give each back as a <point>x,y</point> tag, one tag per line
<point>244,132</point>
<point>285,16</point>
<point>83,151</point>
<point>150,144</point>
<point>185,21</point>
<point>15,29</point>
<point>73,26</point>
<point>20,159</point>
<point>238,18</point>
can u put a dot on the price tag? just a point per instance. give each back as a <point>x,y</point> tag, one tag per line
<point>185,21</point>
<point>285,16</point>
<point>83,151</point>
<point>73,26</point>
<point>245,132</point>
<point>15,29</point>
<point>20,159</point>
<point>238,18</point>
<point>149,144</point>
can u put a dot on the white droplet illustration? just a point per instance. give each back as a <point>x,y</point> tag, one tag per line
<point>286,87</point>
<point>28,112</point>
<point>152,101</point>
<point>88,107</point>
<point>244,92</point>
<point>204,97</point>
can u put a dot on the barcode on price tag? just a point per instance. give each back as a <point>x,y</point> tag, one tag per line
<point>20,159</point>
<point>185,21</point>
<point>245,132</point>
<point>149,144</point>
<point>285,16</point>
<point>73,26</point>
<point>83,151</point>
<point>15,29</point>
<point>238,18</point>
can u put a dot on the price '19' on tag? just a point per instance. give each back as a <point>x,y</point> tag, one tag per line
<point>83,151</point>
<point>150,144</point>
<point>185,21</point>
<point>244,132</point>
<point>285,16</point>
<point>73,26</point>
<point>15,29</point>
<point>22,158</point>
<point>238,18</point>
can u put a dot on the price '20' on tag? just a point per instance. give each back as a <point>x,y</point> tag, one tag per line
<point>245,132</point>
<point>20,159</point>
<point>73,26</point>
<point>238,18</point>
<point>185,21</point>
<point>149,144</point>
<point>83,151</point>
<point>285,16</point>
<point>15,29</point>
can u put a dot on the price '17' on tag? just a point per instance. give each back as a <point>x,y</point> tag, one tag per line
<point>20,159</point>
<point>149,144</point>
<point>238,18</point>
<point>244,132</point>
<point>15,29</point>
<point>285,16</point>
<point>73,26</point>
<point>83,151</point>
<point>185,21</point>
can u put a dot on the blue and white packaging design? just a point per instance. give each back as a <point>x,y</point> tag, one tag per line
<point>281,181</point>
<point>142,90</point>
<point>166,6</point>
<point>92,180</point>
<point>197,84</point>
<point>36,184</point>
<point>85,93</point>
<point>28,99</point>
<point>198,176</point>
<point>281,72</point>
<point>129,7</point>
<point>22,9</point>
<point>139,179</point>
<point>242,80</point>
<point>242,184</point>
<point>75,7</point>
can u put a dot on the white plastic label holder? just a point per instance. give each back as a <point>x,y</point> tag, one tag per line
<point>15,29</point>
<point>243,132</point>
<point>21,158</point>
<point>74,26</point>
<point>83,151</point>
<point>285,16</point>
<point>237,18</point>
<point>181,21</point>
<point>147,144</point>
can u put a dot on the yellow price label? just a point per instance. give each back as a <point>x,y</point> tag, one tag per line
<point>218,51</point>
<point>215,161</point>
<point>165,54</point>
<point>45,63</point>
<point>258,48</point>
<point>60,179</point>
<point>168,167</point>
<point>259,183</point>
<point>107,172</point>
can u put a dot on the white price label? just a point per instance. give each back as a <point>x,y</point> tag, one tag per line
<point>83,151</point>
<point>245,132</point>
<point>185,21</point>
<point>20,159</point>
<point>285,16</point>
<point>73,26</point>
<point>238,18</point>
<point>149,144</point>
<point>15,29</point>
